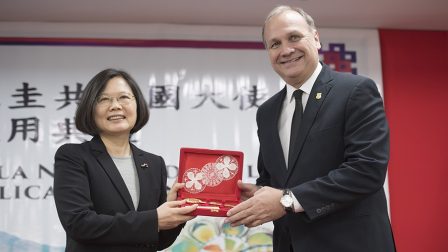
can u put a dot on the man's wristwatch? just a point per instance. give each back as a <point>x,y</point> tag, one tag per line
<point>287,201</point>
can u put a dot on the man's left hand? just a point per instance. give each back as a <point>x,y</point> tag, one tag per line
<point>263,207</point>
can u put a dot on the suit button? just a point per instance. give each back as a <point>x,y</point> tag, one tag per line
<point>318,211</point>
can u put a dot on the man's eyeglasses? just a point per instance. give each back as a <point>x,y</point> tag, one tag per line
<point>124,99</point>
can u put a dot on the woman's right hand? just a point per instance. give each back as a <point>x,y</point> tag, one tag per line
<point>171,214</point>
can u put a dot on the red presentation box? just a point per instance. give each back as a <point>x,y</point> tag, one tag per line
<point>210,178</point>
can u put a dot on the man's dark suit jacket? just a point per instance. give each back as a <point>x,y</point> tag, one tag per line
<point>94,204</point>
<point>339,169</point>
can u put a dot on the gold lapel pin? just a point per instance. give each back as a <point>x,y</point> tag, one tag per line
<point>318,96</point>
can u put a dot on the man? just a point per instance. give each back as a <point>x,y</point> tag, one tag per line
<point>323,151</point>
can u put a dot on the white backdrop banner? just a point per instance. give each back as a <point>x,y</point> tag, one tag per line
<point>201,94</point>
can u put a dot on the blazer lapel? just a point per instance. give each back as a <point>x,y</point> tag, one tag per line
<point>143,166</point>
<point>276,147</point>
<point>317,97</point>
<point>111,170</point>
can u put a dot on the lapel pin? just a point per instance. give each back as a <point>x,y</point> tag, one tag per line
<point>144,165</point>
<point>318,96</point>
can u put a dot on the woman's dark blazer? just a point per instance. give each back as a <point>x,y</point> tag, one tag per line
<point>95,207</point>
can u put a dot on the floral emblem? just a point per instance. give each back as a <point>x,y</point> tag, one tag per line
<point>212,176</point>
<point>194,180</point>
<point>228,166</point>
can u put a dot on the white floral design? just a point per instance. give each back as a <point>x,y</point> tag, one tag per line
<point>228,166</point>
<point>193,179</point>
<point>212,177</point>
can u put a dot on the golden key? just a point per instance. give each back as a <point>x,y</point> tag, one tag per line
<point>194,201</point>
<point>211,208</point>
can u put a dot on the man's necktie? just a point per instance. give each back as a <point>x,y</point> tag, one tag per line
<point>295,125</point>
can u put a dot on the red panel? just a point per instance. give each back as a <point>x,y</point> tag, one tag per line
<point>415,70</point>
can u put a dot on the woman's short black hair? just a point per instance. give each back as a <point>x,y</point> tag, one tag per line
<point>84,118</point>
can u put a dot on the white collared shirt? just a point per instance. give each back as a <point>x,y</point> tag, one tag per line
<point>289,105</point>
<point>285,120</point>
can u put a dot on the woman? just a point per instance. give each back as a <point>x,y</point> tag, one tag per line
<point>110,195</point>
